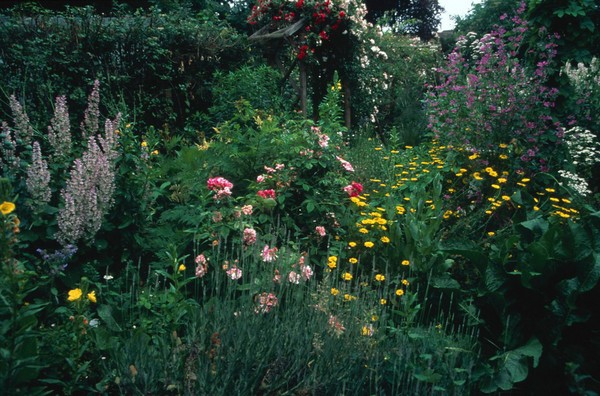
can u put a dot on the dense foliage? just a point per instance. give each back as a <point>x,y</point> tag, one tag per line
<point>447,244</point>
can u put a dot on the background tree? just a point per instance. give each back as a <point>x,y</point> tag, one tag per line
<point>415,17</point>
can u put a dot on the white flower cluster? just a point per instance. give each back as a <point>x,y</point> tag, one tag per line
<point>575,182</point>
<point>583,77</point>
<point>583,146</point>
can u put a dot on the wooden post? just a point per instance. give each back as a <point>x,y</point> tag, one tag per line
<point>347,105</point>
<point>303,88</point>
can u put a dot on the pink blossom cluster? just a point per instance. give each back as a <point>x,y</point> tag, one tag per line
<point>247,210</point>
<point>266,302</point>
<point>221,186</point>
<point>269,254</point>
<point>345,164</point>
<point>270,193</point>
<point>201,265</point>
<point>323,138</point>
<point>320,230</point>
<point>354,189</point>
<point>234,273</point>
<point>249,237</point>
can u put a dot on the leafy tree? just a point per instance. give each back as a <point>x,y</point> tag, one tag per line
<point>483,16</point>
<point>415,17</point>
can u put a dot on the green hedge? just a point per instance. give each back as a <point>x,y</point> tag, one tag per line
<point>157,67</point>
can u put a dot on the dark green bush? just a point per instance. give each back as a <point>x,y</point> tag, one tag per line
<point>157,67</point>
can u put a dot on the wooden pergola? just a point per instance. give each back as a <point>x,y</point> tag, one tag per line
<point>273,42</point>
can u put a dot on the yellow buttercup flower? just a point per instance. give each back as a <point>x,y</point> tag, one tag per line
<point>7,208</point>
<point>74,294</point>
<point>379,277</point>
<point>92,296</point>
<point>383,301</point>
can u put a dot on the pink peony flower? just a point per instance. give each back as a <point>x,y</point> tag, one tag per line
<point>247,210</point>
<point>320,230</point>
<point>218,183</point>
<point>354,189</point>
<point>249,237</point>
<point>260,178</point>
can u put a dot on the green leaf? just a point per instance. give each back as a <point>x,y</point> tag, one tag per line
<point>105,313</point>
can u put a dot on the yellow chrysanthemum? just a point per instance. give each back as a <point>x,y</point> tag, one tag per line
<point>385,239</point>
<point>383,301</point>
<point>347,276</point>
<point>334,291</point>
<point>352,244</point>
<point>369,244</point>
<point>405,262</point>
<point>181,268</point>
<point>399,292</point>
<point>379,277</point>
<point>353,260</point>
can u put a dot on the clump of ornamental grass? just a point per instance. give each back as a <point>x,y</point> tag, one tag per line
<point>213,330</point>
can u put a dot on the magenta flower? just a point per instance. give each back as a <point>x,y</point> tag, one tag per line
<point>354,189</point>
<point>266,193</point>
<point>221,186</point>
<point>218,183</point>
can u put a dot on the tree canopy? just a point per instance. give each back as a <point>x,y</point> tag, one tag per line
<point>415,17</point>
